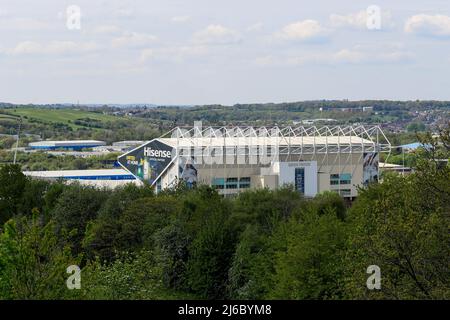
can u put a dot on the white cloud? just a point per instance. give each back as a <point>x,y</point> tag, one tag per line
<point>52,48</point>
<point>396,56</point>
<point>173,54</point>
<point>185,51</point>
<point>357,55</point>
<point>349,56</point>
<point>255,27</point>
<point>180,19</point>
<point>307,30</point>
<point>123,12</point>
<point>267,61</point>
<point>367,56</point>
<point>107,29</point>
<point>25,24</point>
<point>354,20</point>
<point>134,39</point>
<point>429,25</point>
<point>217,34</point>
<point>147,54</point>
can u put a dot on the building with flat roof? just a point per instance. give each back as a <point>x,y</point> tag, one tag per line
<point>233,159</point>
<point>390,167</point>
<point>128,143</point>
<point>109,178</point>
<point>75,145</point>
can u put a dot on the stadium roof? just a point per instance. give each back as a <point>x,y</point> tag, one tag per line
<point>318,138</point>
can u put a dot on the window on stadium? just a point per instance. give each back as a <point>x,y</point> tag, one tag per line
<point>231,183</point>
<point>338,179</point>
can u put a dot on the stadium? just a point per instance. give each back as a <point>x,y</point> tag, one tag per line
<point>232,159</point>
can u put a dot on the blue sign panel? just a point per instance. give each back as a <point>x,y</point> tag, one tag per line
<point>300,180</point>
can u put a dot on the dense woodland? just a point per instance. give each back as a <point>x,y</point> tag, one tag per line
<point>178,244</point>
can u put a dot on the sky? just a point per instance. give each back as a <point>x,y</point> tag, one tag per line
<point>183,52</point>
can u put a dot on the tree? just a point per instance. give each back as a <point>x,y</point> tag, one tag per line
<point>250,272</point>
<point>131,276</point>
<point>75,207</point>
<point>32,263</point>
<point>266,208</point>
<point>12,185</point>
<point>104,235</point>
<point>143,218</point>
<point>171,245</point>
<point>33,197</point>
<point>329,201</point>
<point>210,257</point>
<point>408,239</point>
<point>433,170</point>
<point>311,265</point>
<point>415,127</point>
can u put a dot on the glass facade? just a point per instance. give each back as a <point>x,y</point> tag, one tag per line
<point>218,183</point>
<point>231,183</point>
<point>338,179</point>
<point>244,183</point>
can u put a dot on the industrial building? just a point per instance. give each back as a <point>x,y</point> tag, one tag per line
<point>75,145</point>
<point>390,167</point>
<point>108,178</point>
<point>128,143</point>
<point>233,159</point>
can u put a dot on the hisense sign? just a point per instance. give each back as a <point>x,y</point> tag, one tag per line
<point>149,161</point>
<point>149,152</point>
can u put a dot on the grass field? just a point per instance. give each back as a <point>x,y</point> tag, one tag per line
<point>65,116</point>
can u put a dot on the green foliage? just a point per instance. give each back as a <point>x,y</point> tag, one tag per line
<point>311,266</point>
<point>32,263</point>
<point>131,276</point>
<point>41,161</point>
<point>415,127</point>
<point>171,244</point>
<point>285,113</point>
<point>75,207</point>
<point>74,123</point>
<point>406,159</point>
<point>196,248</point>
<point>210,256</point>
<point>249,276</point>
<point>394,229</point>
<point>329,201</point>
<point>7,142</point>
<point>12,185</point>
<point>266,208</point>
<point>33,197</point>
